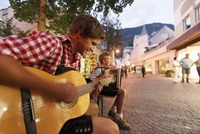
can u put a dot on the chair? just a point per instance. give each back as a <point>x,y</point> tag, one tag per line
<point>117,74</point>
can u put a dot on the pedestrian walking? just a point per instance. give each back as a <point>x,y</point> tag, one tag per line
<point>123,71</point>
<point>198,67</point>
<point>176,66</point>
<point>143,71</point>
<point>126,71</point>
<point>137,70</point>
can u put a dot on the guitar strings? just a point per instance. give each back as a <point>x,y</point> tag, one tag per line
<point>37,103</point>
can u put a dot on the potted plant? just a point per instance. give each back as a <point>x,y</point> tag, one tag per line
<point>169,73</point>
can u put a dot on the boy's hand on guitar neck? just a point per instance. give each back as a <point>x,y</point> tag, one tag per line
<point>96,92</point>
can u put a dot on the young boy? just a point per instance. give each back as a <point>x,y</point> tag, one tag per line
<point>111,90</point>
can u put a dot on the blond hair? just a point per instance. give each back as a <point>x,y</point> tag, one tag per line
<point>103,56</point>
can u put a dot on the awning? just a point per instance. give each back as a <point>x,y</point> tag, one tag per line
<point>189,38</point>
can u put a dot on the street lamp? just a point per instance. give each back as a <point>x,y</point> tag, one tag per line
<point>117,51</point>
<point>113,55</point>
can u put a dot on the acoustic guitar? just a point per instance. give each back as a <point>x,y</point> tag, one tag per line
<point>22,109</point>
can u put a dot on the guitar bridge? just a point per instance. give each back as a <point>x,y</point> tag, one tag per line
<point>28,111</point>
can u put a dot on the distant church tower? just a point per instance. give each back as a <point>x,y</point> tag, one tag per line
<point>144,31</point>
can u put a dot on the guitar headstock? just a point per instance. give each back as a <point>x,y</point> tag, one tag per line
<point>112,78</point>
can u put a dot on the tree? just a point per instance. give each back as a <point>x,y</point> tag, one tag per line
<point>113,40</point>
<point>7,28</point>
<point>60,13</point>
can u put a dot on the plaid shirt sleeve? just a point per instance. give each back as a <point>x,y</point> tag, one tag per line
<point>39,50</point>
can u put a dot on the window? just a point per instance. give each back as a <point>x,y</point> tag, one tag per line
<point>5,14</point>
<point>186,23</point>
<point>197,14</point>
<point>164,36</point>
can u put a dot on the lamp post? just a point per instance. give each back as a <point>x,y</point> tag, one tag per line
<point>113,55</point>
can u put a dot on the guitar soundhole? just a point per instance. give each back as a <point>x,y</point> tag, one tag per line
<point>68,105</point>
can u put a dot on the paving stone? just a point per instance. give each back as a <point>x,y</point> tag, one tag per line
<point>156,105</point>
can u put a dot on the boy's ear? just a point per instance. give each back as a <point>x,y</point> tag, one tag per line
<point>78,35</point>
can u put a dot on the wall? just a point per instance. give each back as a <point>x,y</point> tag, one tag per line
<point>9,13</point>
<point>181,11</point>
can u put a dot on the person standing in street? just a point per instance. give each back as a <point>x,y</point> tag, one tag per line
<point>143,71</point>
<point>137,70</point>
<point>126,71</point>
<point>198,67</point>
<point>186,64</point>
<point>176,66</point>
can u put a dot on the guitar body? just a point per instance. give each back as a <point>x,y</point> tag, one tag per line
<point>50,115</point>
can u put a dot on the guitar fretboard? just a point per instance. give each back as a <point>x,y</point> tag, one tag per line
<point>87,88</point>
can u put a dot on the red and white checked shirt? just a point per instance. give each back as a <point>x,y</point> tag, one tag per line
<point>40,50</point>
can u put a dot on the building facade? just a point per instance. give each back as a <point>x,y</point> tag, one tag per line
<point>8,13</point>
<point>159,55</point>
<point>151,50</point>
<point>187,30</point>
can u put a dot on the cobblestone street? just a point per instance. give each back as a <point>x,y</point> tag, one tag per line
<point>157,105</point>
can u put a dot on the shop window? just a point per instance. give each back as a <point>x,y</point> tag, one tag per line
<point>164,37</point>
<point>4,14</point>
<point>89,64</point>
<point>163,65</point>
<point>197,14</point>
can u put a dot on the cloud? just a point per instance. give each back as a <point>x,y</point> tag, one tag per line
<point>4,4</point>
<point>147,11</point>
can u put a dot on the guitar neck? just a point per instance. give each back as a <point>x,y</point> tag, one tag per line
<point>88,88</point>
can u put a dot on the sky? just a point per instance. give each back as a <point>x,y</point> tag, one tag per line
<point>141,12</point>
<point>147,11</point>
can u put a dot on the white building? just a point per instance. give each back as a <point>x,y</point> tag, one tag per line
<point>8,13</point>
<point>161,36</point>
<point>140,43</point>
<point>126,56</point>
<point>152,52</point>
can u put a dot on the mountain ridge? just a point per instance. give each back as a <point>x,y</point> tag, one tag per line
<point>127,34</point>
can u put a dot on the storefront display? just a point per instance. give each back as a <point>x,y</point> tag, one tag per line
<point>88,64</point>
